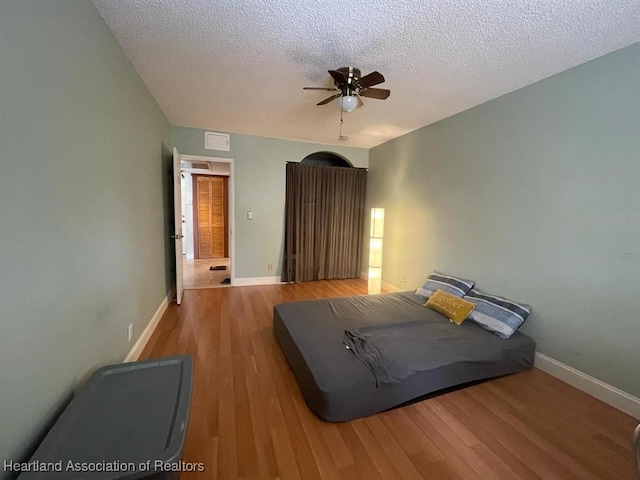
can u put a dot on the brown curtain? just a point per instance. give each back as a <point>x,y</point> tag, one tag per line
<point>324,211</point>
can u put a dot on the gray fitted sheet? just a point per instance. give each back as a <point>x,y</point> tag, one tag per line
<point>339,387</point>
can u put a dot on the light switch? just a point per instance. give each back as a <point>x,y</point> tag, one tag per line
<point>249,215</point>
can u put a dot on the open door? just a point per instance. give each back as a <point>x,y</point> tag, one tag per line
<point>177,206</point>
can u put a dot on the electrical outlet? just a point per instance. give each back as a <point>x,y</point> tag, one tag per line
<point>130,331</point>
<point>404,281</point>
<point>269,267</point>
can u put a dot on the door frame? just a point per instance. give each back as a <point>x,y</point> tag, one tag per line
<point>230,205</point>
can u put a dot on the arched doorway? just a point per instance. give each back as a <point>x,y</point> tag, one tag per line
<point>327,159</point>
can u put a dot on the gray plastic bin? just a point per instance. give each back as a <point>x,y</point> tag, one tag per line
<point>128,418</point>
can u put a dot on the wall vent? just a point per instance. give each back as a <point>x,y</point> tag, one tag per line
<point>216,141</point>
<point>200,165</point>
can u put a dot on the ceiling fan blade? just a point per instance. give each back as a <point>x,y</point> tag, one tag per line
<point>331,98</point>
<point>374,78</point>
<point>360,101</point>
<point>379,93</point>
<point>338,76</point>
<point>329,89</point>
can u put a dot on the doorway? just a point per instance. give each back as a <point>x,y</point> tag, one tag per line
<point>207,186</point>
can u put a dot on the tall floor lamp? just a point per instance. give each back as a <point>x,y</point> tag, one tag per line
<point>375,250</point>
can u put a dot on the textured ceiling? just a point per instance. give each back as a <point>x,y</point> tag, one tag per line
<point>240,65</point>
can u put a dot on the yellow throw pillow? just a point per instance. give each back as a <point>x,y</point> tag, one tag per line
<point>454,308</point>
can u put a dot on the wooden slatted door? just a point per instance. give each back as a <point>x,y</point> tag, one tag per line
<point>210,212</point>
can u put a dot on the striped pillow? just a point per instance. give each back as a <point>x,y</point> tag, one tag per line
<point>447,283</point>
<point>497,314</point>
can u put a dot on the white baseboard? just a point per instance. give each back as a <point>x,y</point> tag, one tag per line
<point>594,387</point>
<point>138,347</point>
<point>385,285</point>
<point>248,281</point>
<point>191,256</point>
<point>389,288</point>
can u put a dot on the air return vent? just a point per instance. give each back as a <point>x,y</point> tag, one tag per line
<point>200,165</point>
<point>216,141</point>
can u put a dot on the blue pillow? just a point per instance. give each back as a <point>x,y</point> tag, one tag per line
<point>497,314</point>
<point>447,283</point>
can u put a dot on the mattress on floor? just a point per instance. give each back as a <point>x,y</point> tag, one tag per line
<point>339,387</point>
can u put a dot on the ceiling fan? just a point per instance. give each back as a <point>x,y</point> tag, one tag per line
<point>351,87</point>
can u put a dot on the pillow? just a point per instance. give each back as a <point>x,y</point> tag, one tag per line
<point>447,283</point>
<point>497,314</point>
<point>454,308</point>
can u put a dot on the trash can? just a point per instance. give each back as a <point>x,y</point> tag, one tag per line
<point>128,421</point>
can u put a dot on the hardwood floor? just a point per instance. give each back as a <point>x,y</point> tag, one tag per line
<point>249,421</point>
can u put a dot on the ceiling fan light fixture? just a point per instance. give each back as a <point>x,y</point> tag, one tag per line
<point>348,103</point>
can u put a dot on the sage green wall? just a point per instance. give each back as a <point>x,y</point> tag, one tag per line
<point>83,155</point>
<point>259,165</point>
<point>536,196</point>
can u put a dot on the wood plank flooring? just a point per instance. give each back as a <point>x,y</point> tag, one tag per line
<point>249,421</point>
